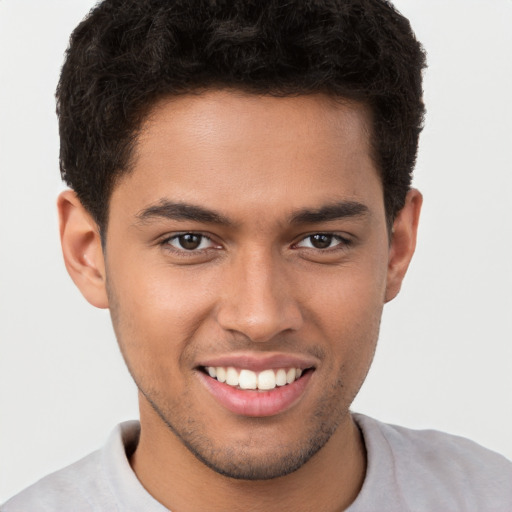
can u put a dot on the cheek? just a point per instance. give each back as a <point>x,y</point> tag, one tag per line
<point>346,311</point>
<point>350,296</point>
<point>351,323</point>
<point>155,314</point>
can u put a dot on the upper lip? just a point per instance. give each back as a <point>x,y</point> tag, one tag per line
<point>258,362</point>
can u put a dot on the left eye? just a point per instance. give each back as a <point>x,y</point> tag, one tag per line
<point>321,241</point>
<point>190,242</point>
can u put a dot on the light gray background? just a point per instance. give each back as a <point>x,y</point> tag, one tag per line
<point>445,354</point>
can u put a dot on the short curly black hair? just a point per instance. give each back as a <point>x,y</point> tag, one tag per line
<point>127,54</point>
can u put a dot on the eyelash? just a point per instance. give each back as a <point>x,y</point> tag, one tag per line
<point>166,243</point>
<point>343,243</point>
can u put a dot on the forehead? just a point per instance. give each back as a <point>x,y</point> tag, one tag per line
<point>246,121</point>
<point>233,151</point>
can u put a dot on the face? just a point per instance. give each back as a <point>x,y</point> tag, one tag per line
<point>246,265</point>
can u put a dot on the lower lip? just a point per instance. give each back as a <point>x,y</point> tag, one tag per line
<point>256,403</point>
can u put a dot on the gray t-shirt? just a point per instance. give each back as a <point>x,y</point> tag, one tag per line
<point>408,470</point>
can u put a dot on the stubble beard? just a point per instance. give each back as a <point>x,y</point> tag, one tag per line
<point>236,460</point>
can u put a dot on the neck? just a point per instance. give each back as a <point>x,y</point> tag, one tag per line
<point>329,481</point>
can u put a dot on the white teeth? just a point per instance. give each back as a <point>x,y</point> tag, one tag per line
<point>247,379</point>
<point>281,377</point>
<point>221,374</point>
<point>231,377</point>
<point>267,380</point>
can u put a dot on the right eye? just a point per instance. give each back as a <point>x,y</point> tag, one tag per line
<point>189,242</point>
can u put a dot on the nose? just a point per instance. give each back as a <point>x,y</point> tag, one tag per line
<point>260,298</point>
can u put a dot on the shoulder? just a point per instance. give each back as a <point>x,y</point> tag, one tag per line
<point>428,468</point>
<point>438,451</point>
<point>93,483</point>
<point>70,487</point>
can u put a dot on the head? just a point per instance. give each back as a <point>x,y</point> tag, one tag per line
<point>127,55</point>
<point>236,168</point>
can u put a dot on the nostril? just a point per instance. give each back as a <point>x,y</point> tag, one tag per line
<point>262,326</point>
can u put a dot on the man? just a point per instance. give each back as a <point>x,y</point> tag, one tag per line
<point>240,200</point>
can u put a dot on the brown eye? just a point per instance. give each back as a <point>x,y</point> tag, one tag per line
<point>321,241</point>
<point>189,242</point>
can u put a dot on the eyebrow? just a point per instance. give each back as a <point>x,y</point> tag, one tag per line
<point>184,211</point>
<point>335,211</point>
<point>181,211</point>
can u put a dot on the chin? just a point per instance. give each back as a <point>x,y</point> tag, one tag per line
<point>239,464</point>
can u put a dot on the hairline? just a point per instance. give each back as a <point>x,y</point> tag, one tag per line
<point>150,107</point>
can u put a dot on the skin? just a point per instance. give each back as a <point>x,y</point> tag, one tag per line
<point>256,286</point>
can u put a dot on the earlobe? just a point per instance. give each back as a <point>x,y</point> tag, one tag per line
<point>81,248</point>
<point>403,242</point>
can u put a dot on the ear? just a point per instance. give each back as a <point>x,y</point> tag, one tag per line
<point>81,248</point>
<point>403,242</point>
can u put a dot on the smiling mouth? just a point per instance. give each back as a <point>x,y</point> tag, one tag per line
<point>265,380</point>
